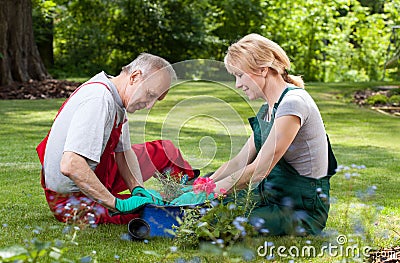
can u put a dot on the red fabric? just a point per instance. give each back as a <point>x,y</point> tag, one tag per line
<point>157,155</point>
<point>161,155</point>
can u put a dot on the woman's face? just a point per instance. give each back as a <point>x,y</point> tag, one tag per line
<point>251,83</point>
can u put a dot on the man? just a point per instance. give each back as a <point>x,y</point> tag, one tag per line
<point>87,157</point>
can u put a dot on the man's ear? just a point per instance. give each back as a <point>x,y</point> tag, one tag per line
<point>135,76</point>
<point>163,95</point>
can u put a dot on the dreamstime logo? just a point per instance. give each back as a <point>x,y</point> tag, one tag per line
<point>340,249</point>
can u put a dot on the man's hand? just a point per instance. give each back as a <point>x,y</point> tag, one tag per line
<point>132,203</point>
<point>151,194</point>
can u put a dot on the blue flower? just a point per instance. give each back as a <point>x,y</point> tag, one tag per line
<point>231,206</point>
<point>214,203</point>
<point>86,259</point>
<point>264,231</point>
<point>66,230</point>
<point>248,255</point>
<point>240,219</point>
<point>203,211</point>
<point>125,237</point>
<point>300,231</point>
<point>257,222</point>
<point>323,197</point>
<point>288,202</point>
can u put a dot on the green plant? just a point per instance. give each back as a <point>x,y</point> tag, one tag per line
<point>394,100</point>
<point>36,250</point>
<point>223,222</point>
<point>394,92</point>
<point>377,99</point>
<point>170,187</point>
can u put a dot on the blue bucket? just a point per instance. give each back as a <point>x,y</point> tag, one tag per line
<point>161,219</point>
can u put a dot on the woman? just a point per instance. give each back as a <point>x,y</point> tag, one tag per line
<point>286,159</point>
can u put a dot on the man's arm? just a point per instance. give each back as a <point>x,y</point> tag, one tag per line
<point>76,168</point>
<point>129,168</point>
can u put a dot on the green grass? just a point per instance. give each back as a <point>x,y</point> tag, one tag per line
<point>209,124</point>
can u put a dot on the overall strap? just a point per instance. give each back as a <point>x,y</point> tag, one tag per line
<point>283,95</point>
<point>76,90</point>
<point>40,149</point>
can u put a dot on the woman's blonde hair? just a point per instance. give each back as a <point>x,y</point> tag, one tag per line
<point>254,51</point>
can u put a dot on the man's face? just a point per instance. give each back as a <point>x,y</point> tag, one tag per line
<point>148,90</point>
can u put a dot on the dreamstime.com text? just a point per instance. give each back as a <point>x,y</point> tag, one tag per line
<point>340,249</point>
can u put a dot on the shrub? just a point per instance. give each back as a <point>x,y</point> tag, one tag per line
<point>394,100</point>
<point>394,92</point>
<point>377,99</point>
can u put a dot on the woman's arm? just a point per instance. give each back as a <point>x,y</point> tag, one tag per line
<point>238,163</point>
<point>281,136</point>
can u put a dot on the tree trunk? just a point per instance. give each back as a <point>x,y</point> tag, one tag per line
<point>19,56</point>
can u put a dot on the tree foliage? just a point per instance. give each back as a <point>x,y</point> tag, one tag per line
<point>342,40</point>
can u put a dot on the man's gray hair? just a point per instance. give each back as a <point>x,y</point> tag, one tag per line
<point>148,63</point>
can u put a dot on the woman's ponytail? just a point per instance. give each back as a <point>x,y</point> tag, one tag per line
<point>292,79</point>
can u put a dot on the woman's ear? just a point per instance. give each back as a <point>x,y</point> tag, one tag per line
<point>135,76</point>
<point>264,71</point>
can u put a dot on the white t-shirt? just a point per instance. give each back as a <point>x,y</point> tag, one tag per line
<point>84,127</point>
<point>308,153</point>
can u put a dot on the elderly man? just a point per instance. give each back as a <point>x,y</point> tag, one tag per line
<point>87,157</point>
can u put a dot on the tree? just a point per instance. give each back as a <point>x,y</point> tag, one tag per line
<point>43,15</point>
<point>19,56</point>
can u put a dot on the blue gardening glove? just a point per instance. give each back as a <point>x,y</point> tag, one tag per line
<point>132,203</point>
<point>187,188</point>
<point>190,198</point>
<point>152,194</point>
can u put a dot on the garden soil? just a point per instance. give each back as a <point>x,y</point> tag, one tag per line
<point>33,89</point>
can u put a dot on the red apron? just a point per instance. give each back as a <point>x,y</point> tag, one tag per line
<point>77,207</point>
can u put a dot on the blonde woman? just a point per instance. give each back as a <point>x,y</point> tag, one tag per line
<point>287,160</point>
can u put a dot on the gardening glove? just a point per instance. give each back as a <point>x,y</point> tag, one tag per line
<point>190,198</point>
<point>152,194</point>
<point>131,204</point>
<point>186,189</point>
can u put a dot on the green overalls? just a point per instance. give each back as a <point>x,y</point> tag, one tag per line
<point>289,203</point>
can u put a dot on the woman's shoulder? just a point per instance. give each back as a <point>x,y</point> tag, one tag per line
<point>298,94</point>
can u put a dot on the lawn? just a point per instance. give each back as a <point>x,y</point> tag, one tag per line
<point>208,122</point>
